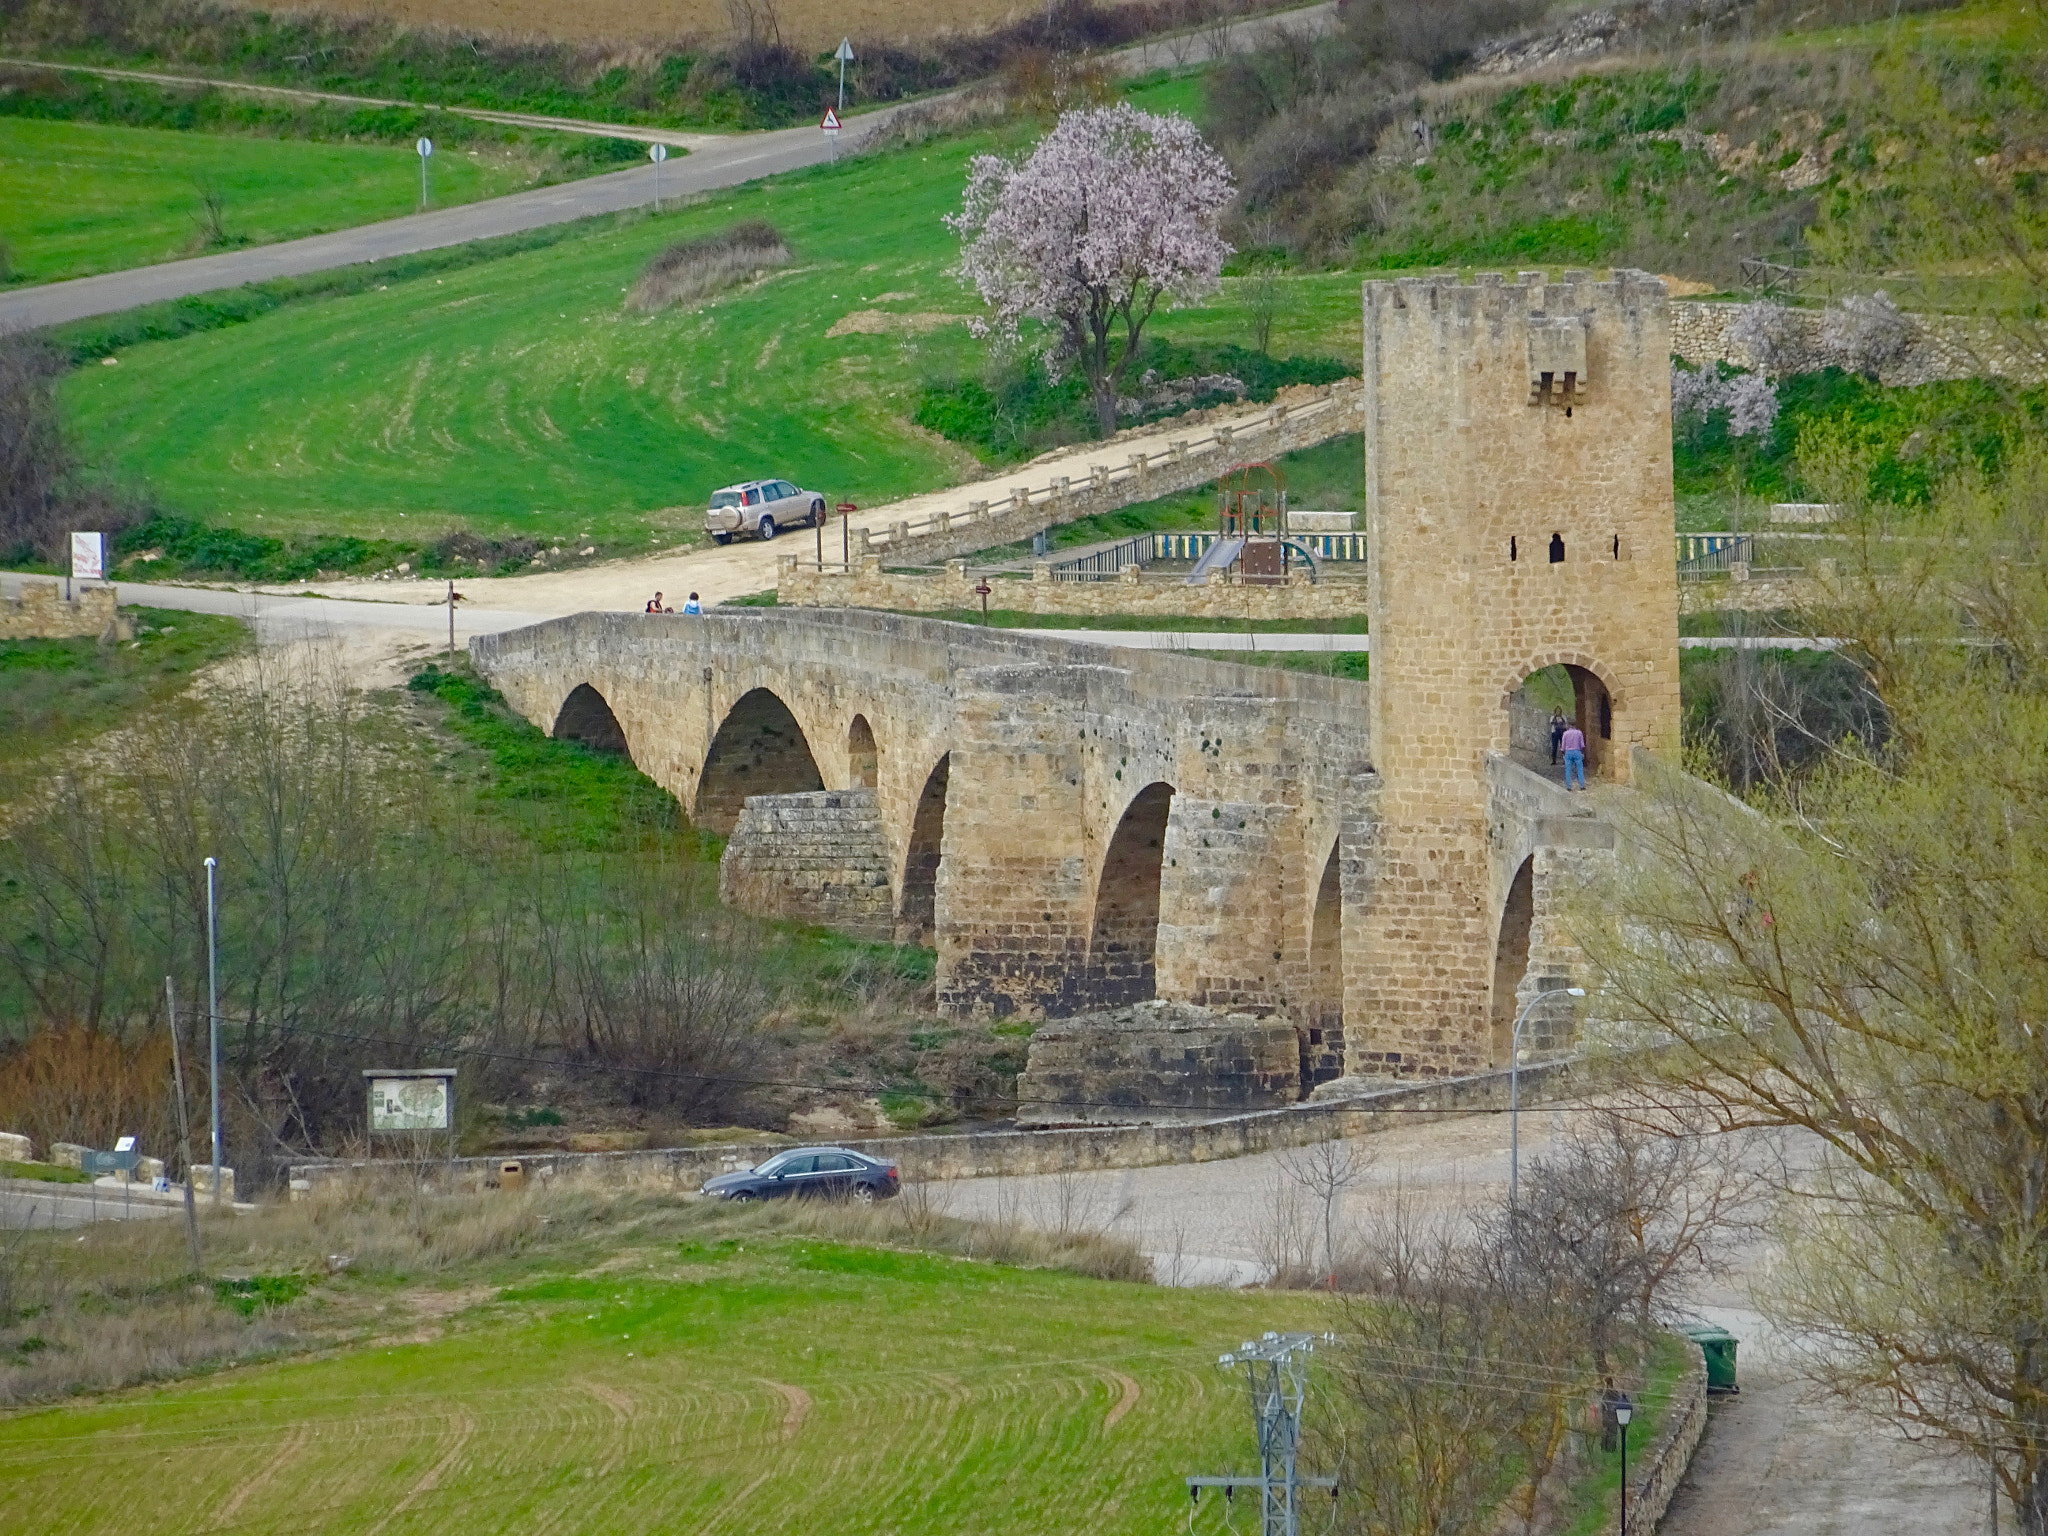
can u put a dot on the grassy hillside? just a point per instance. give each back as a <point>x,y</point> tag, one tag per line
<point>704,1371</point>
<point>79,198</point>
<point>53,692</point>
<point>521,398</point>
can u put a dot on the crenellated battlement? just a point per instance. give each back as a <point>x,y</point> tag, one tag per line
<point>1529,293</point>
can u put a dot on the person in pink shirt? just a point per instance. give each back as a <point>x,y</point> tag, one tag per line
<point>1574,744</point>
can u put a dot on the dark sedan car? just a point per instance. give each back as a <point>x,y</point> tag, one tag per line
<point>810,1172</point>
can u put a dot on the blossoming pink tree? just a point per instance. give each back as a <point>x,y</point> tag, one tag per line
<point>1113,211</point>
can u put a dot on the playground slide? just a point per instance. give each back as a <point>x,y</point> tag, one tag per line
<point>1218,557</point>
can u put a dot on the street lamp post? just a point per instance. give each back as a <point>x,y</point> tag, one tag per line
<point>1515,1090</point>
<point>1624,1410</point>
<point>213,1024</point>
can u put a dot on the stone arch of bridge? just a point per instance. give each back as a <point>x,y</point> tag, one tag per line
<point>1511,957</point>
<point>917,909</point>
<point>1123,934</point>
<point>758,749</point>
<point>1596,708</point>
<point>586,716</point>
<point>1322,1049</point>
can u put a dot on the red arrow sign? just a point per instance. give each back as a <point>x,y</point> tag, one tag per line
<point>831,123</point>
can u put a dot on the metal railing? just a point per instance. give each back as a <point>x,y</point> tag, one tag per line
<point>1104,564</point>
<point>1711,554</point>
<point>1324,546</point>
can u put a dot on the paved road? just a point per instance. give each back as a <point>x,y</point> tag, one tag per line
<point>1775,1462</point>
<point>713,163</point>
<point>29,1204</point>
<point>725,164</point>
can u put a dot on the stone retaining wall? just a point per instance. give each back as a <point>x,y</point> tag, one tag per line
<point>1157,1061</point>
<point>41,614</point>
<point>1300,417</point>
<point>803,585</point>
<point>811,858</point>
<point>985,1154</point>
<point>1943,346</point>
<point>1655,1479</point>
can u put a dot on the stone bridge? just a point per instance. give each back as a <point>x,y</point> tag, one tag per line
<point>1074,827</point>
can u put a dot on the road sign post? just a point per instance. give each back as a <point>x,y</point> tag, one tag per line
<point>846,511</point>
<point>657,153</point>
<point>845,57</point>
<point>831,127</point>
<point>426,153</point>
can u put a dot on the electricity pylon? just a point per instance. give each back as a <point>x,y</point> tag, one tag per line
<point>1276,1369</point>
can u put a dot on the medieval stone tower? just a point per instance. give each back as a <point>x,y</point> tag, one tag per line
<point>1519,513</point>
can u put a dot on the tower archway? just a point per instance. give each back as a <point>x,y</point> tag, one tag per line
<point>759,750</point>
<point>1582,697</point>
<point>586,717</point>
<point>917,916</point>
<point>1123,940</point>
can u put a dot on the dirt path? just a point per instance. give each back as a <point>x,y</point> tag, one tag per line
<point>719,575</point>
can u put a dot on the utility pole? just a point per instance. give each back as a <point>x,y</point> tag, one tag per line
<point>184,1128</point>
<point>213,1022</point>
<point>1276,1370</point>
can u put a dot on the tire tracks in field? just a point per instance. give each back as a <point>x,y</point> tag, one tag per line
<point>796,1406</point>
<point>262,1478</point>
<point>1131,1392</point>
<point>465,1430</point>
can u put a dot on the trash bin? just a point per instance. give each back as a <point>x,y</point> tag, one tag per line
<point>512,1175</point>
<point>1718,1345</point>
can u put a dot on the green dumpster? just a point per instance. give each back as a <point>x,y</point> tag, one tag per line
<point>1718,1345</point>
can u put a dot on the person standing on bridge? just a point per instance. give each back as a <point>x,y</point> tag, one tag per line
<point>1556,733</point>
<point>693,606</point>
<point>1574,743</point>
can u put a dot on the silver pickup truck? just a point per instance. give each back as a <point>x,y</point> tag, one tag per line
<point>763,508</point>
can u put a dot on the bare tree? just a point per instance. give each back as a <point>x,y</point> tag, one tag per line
<point>1857,954</point>
<point>1326,1171</point>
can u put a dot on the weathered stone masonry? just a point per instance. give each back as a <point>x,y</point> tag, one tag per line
<point>1077,827</point>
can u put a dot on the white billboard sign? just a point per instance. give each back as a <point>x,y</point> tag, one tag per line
<point>408,1104</point>
<point>88,557</point>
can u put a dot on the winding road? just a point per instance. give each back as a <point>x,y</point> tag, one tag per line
<point>713,163</point>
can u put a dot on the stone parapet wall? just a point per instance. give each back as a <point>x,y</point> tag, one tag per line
<point>1356,1111</point>
<point>1157,1062</point>
<point>1942,346</point>
<point>811,858</point>
<point>41,613</point>
<point>803,585</point>
<point>1300,417</point>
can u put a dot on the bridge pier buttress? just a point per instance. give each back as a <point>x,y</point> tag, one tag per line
<point>1013,896</point>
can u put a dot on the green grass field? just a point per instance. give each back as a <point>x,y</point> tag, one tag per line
<point>519,396</point>
<point>729,1377</point>
<point>53,692</point>
<point>80,198</point>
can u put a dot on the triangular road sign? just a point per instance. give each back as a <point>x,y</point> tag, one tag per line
<point>831,123</point>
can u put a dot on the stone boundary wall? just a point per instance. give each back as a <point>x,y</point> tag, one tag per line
<point>1685,1420</point>
<point>802,584</point>
<point>41,614</point>
<point>987,1154</point>
<point>1300,417</point>
<point>1943,346</point>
